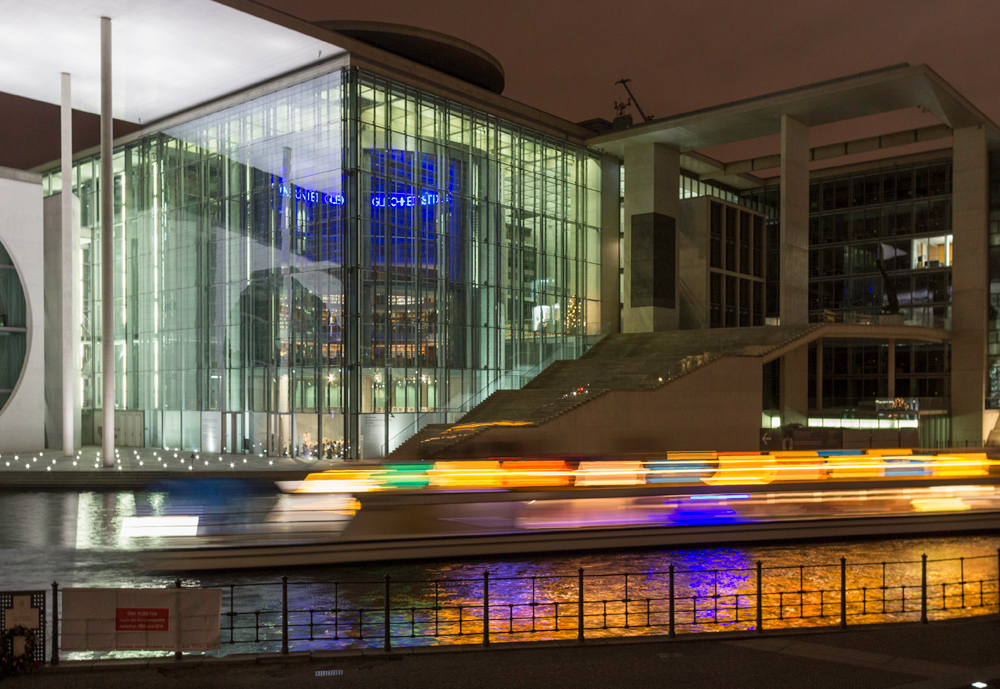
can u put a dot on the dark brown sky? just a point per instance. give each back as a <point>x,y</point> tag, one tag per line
<point>565,57</point>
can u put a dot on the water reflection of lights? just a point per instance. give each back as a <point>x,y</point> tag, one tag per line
<point>139,527</point>
<point>706,510</point>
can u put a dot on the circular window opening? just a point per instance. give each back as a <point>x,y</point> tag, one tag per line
<point>13,327</point>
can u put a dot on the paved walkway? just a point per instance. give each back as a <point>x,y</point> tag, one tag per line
<point>136,467</point>
<point>942,655</point>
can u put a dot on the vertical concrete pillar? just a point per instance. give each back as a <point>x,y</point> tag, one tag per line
<point>970,284</point>
<point>610,245</point>
<point>107,253</point>
<point>794,228</point>
<point>65,278</point>
<point>652,205</point>
<point>891,366</point>
<point>794,267</point>
<point>819,373</point>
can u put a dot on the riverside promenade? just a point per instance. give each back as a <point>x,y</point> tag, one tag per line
<point>943,655</point>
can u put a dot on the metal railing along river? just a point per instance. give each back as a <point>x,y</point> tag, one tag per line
<point>299,616</point>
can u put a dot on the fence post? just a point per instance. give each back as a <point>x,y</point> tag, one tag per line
<point>486,609</point>
<point>760,597</point>
<point>843,593</point>
<point>55,623</point>
<point>177,654</point>
<point>388,626</point>
<point>579,610</point>
<point>672,631</point>
<point>923,589</point>
<point>284,614</point>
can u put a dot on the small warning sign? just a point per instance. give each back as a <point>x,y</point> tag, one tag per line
<point>142,619</point>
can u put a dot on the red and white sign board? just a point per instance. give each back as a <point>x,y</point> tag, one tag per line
<point>146,619</point>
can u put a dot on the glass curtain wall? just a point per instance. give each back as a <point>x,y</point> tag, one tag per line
<point>322,270</point>
<point>479,252</point>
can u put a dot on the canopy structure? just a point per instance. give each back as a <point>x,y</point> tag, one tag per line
<point>168,55</point>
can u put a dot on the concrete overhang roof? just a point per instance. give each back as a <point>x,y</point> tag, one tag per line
<point>168,55</point>
<point>846,98</point>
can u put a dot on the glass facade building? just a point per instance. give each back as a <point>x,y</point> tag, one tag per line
<point>322,270</point>
<point>876,236</point>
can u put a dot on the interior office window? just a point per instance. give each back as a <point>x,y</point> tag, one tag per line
<point>815,303</point>
<point>904,185</point>
<point>939,216</point>
<point>828,200</point>
<point>873,189</point>
<point>841,227</point>
<point>744,303</point>
<point>826,229</point>
<point>895,255</point>
<point>857,191</point>
<point>814,193</point>
<point>931,252</point>
<point>921,185</point>
<point>730,301</point>
<point>758,303</point>
<point>857,225</point>
<point>903,219</point>
<point>842,194</point>
<point>938,179</point>
<point>715,300</point>
<point>715,235</point>
<point>888,186</point>
<point>873,221</point>
<point>745,243</point>
<point>731,230</point>
<point>758,246</point>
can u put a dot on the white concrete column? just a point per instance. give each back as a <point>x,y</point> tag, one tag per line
<point>69,372</point>
<point>970,284</point>
<point>794,267</point>
<point>107,253</point>
<point>652,206</point>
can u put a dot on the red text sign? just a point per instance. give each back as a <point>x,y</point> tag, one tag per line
<point>142,619</point>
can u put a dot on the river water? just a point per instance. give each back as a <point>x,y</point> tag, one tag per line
<point>75,539</point>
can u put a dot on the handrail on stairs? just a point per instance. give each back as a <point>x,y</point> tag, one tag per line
<point>523,377</point>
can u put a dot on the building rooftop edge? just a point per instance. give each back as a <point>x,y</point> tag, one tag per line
<point>822,102</point>
<point>20,175</point>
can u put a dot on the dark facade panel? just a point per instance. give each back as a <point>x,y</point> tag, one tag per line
<point>654,261</point>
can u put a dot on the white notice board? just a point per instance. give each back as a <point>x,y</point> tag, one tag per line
<point>140,619</point>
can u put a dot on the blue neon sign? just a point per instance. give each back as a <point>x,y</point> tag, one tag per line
<point>311,196</point>
<point>427,198</point>
<point>378,200</point>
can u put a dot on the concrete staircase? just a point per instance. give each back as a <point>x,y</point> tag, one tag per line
<point>632,361</point>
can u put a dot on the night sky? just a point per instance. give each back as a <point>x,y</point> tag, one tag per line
<point>565,57</point>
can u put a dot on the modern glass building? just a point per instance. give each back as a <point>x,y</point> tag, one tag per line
<point>323,269</point>
<point>328,236</point>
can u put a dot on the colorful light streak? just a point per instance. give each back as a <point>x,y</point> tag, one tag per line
<point>717,469</point>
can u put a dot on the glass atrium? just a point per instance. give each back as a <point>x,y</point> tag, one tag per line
<point>324,269</point>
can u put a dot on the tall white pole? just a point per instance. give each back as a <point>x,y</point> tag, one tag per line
<point>107,252</point>
<point>66,285</point>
